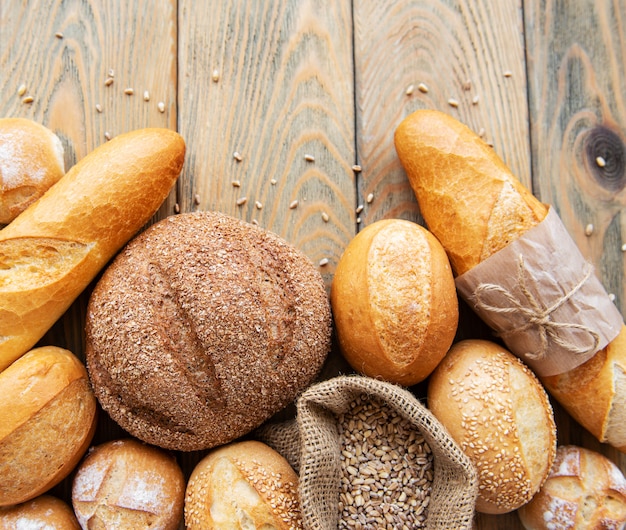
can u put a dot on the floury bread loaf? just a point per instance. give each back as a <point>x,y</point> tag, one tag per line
<point>31,160</point>
<point>476,207</point>
<point>52,250</point>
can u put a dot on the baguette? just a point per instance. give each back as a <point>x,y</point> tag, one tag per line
<point>475,206</point>
<point>55,248</point>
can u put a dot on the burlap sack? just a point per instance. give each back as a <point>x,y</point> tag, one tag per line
<point>311,444</point>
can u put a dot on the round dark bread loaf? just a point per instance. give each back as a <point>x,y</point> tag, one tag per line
<point>202,328</point>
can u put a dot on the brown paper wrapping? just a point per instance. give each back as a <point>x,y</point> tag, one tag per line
<point>543,299</point>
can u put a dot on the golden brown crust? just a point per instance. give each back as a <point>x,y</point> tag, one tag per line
<point>468,197</point>
<point>243,480</point>
<point>31,161</point>
<point>394,302</point>
<point>500,415</point>
<point>593,393</point>
<point>202,328</point>
<point>51,251</point>
<point>128,484</point>
<point>51,419</point>
<point>583,490</point>
<point>44,512</point>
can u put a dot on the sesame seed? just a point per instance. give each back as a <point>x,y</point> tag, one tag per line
<point>28,99</point>
<point>358,220</point>
<point>129,91</point>
<point>258,205</point>
<point>108,81</point>
<point>309,158</point>
<point>237,156</point>
<point>273,182</point>
<point>410,89</point>
<point>177,208</point>
<point>98,107</point>
<point>507,73</point>
<point>58,35</point>
<point>422,88</point>
<point>161,106</point>
<point>600,161</point>
<point>146,95</point>
<point>370,198</point>
<point>589,229</point>
<point>323,262</point>
<point>357,168</point>
<point>624,247</point>
<point>359,208</point>
<point>236,184</point>
<point>196,199</point>
<point>475,100</point>
<point>612,297</point>
<point>467,85</point>
<point>111,72</point>
<point>326,218</point>
<point>107,135</point>
<point>215,76</point>
<point>293,204</point>
<point>453,102</point>
<point>241,201</point>
<point>21,90</point>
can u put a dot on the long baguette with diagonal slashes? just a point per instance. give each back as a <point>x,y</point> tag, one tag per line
<point>55,248</point>
<point>475,206</point>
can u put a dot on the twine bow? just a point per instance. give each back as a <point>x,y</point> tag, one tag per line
<point>535,314</point>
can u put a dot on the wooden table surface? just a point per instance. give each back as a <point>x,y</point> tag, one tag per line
<point>275,81</point>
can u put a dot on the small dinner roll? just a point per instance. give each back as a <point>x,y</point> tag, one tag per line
<point>583,490</point>
<point>245,484</point>
<point>128,484</point>
<point>499,414</point>
<point>41,513</point>
<point>31,160</point>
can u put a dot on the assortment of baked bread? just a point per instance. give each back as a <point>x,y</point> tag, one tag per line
<point>201,327</point>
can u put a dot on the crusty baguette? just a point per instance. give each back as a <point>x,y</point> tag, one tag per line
<point>467,195</point>
<point>475,206</point>
<point>52,250</point>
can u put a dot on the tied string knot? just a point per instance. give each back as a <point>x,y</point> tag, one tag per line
<point>535,314</point>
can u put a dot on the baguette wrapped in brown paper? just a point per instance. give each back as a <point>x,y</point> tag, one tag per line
<point>476,207</point>
<point>54,249</point>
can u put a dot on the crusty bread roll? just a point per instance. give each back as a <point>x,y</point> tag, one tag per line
<point>41,513</point>
<point>245,484</point>
<point>128,484</point>
<point>497,411</point>
<point>468,197</point>
<point>394,302</point>
<point>31,160</point>
<point>48,416</point>
<point>475,206</point>
<point>202,328</point>
<point>583,490</point>
<point>52,250</point>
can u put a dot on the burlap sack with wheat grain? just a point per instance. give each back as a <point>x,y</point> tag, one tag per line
<point>311,444</point>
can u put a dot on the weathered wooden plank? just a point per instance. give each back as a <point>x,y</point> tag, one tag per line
<point>425,54</point>
<point>577,102</point>
<point>263,87</point>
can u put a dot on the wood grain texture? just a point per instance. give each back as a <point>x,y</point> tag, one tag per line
<point>458,51</point>
<point>271,81</point>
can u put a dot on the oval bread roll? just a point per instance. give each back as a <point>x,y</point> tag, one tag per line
<point>128,484</point>
<point>583,490</point>
<point>394,302</point>
<point>497,411</point>
<point>243,485</point>
<point>42,513</point>
<point>48,416</point>
<point>31,160</point>
<point>202,328</point>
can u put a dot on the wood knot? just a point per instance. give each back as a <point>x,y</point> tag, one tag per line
<point>606,154</point>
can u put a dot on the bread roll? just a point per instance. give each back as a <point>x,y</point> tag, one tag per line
<point>31,160</point>
<point>584,490</point>
<point>243,485</point>
<point>55,248</point>
<point>128,484</point>
<point>394,302</point>
<point>42,513</point>
<point>499,414</point>
<point>475,206</point>
<point>202,328</point>
<point>48,416</point>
